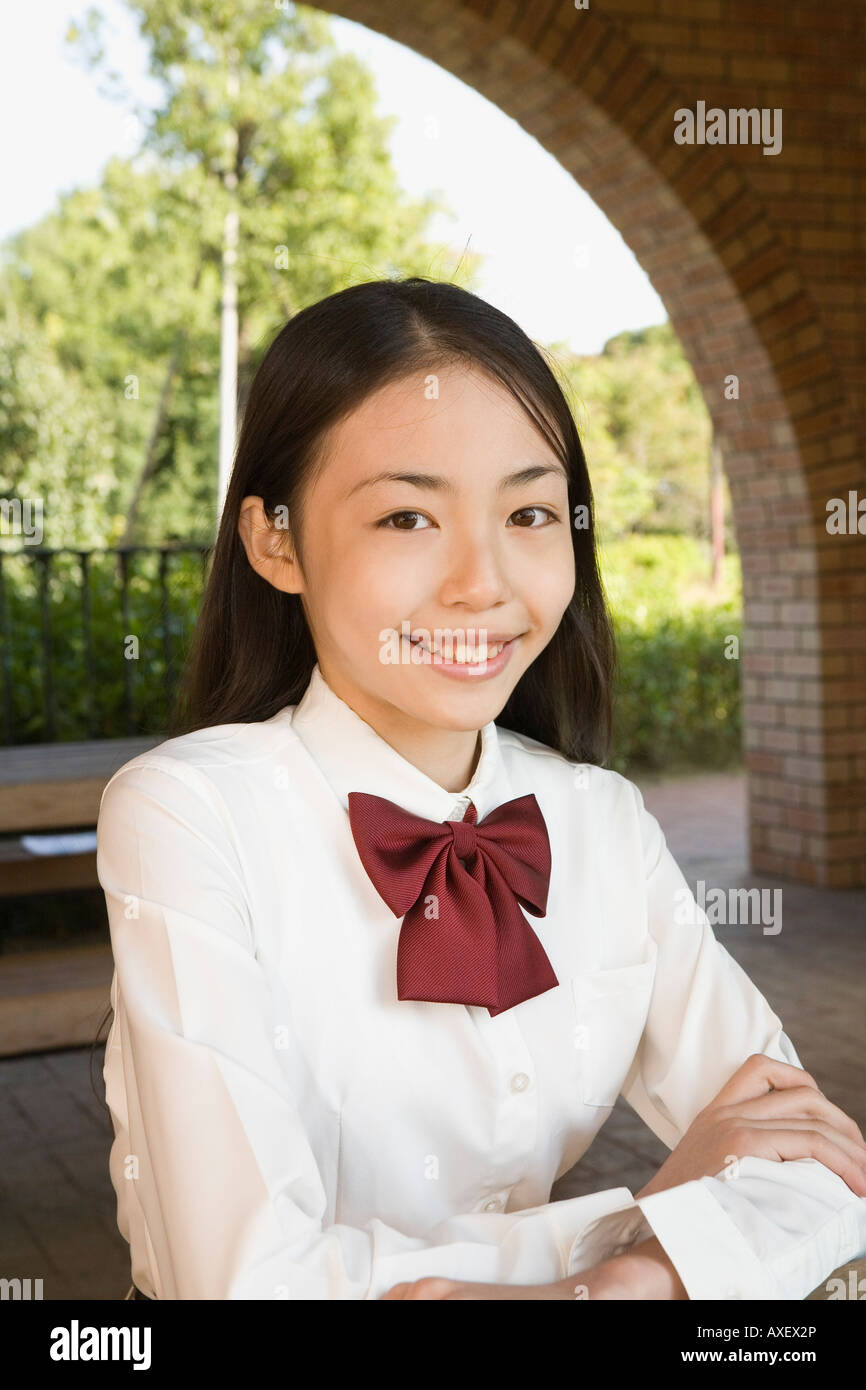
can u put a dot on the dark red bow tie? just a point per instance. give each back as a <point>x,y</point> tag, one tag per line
<point>463,939</point>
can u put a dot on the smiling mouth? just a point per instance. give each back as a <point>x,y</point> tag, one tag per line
<point>464,653</point>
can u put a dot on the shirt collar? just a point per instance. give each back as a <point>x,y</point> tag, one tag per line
<point>353,757</point>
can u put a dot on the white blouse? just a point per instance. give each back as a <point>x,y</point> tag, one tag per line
<point>285,1127</point>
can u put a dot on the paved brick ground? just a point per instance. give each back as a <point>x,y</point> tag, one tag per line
<point>57,1207</point>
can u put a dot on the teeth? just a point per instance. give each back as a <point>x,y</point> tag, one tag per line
<point>472,656</point>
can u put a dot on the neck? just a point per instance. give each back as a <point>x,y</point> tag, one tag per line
<point>447,756</point>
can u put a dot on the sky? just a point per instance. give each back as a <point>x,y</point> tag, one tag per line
<point>552,259</point>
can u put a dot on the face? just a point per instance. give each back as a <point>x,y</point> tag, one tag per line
<point>402,573</point>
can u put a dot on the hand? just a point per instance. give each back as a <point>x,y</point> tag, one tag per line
<point>438,1288</point>
<point>767,1109</point>
<point>643,1273</point>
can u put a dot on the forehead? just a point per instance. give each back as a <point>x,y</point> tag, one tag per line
<point>446,413</point>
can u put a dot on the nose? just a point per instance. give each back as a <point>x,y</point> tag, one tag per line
<point>477,574</point>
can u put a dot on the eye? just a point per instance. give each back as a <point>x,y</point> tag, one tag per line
<point>524,511</point>
<point>389,522</point>
<point>394,515</point>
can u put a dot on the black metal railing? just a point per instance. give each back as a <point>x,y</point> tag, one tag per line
<point>63,616</point>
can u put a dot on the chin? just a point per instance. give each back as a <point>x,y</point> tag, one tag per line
<point>464,708</point>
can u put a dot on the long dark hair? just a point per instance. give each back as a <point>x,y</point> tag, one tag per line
<point>252,652</point>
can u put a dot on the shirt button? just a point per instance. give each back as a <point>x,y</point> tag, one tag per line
<point>493,1204</point>
<point>520,1081</point>
<point>632,1230</point>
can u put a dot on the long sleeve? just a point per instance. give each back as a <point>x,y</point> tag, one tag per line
<point>766,1229</point>
<point>225,1198</point>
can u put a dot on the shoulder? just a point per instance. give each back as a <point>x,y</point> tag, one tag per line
<point>210,762</point>
<point>528,757</point>
<point>607,800</point>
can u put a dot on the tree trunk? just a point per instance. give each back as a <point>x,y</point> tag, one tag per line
<point>149,468</point>
<point>228,387</point>
<point>717,514</point>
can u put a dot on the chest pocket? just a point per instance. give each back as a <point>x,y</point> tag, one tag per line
<point>610,1010</point>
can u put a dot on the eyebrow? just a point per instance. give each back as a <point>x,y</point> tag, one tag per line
<point>434,482</point>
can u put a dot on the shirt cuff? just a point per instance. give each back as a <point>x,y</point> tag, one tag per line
<point>708,1251</point>
<point>612,1234</point>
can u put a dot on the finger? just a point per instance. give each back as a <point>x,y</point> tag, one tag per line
<point>851,1146</point>
<point>798,1141</point>
<point>503,1292</point>
<point>801,1102</point>
<point>834,1156</point>
<point>398,1291</point>
<point>757,1076</point>
<point>483,1292</point>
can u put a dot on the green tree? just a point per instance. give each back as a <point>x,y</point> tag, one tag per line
<point>126,280</point>
<point>646,432</point>
<point>57,441</point>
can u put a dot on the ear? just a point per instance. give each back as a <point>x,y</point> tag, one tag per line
<point>269,548</point>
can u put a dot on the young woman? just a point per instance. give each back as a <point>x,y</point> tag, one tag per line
<point>389,940</point>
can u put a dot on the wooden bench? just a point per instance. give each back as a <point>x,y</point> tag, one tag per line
<point>51,787</point>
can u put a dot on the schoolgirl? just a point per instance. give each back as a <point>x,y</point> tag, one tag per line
<point>389,939</point>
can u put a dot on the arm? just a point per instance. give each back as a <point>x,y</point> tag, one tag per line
<point>776,1229</point>
<point>226,1197</point>
<point>645,1273</point>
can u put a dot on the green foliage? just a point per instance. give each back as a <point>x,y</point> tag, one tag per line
<point>677,699</point>
<point>56,442</point>
<point>120,287</point>
<point>647,577</point>
<point>677,692</point>
<point>645,431</point>
<point>113,675</point>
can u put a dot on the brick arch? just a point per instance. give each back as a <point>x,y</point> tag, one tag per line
<point>745,296</point>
